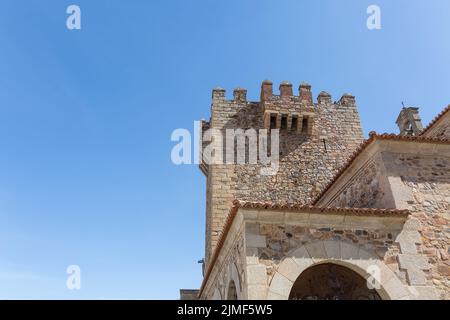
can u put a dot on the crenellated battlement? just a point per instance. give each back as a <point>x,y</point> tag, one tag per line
<point>286,94</point>
<point>324,98</point>
<point>285,110</point>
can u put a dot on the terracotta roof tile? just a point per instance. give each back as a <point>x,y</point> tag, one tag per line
<point>314,209</point>
<point>436,119</point>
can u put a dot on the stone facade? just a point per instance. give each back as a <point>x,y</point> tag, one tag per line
<point>427,178</point>
<point>379,207</point>
<point>411,175</point>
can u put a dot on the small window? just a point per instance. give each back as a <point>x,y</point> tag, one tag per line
<point>273,121</point>
<point>305,125</point>
<point>294,124</point>
<point>284,122</point>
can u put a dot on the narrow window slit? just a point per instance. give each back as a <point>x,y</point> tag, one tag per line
<point>294,123</point>
<point>284,122</point>
<point>305,125</point>
<point>273,121</point>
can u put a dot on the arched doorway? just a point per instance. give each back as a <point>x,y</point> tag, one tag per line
<point>232,293</point>
<point>330,281</point>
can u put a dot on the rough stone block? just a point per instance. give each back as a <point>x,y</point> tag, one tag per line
<point>423,292</point>
<point>395,289</point>
<point>333,249</point>
<point>407,241</point>
<point>408,261</point>
<point>415,277</point>
<point>316,250</point>
<point>252,256</point>
<point>290,269</point>
<point>275,296</point>
<point>255,241</point>
<point>256,274</point>
<point>300,253</point>
<point>349,251</point>
<point>281,285</point>
<point>414,264</point>
<point>257,292</point>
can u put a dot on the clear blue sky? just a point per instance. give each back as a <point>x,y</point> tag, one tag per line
<point>86,118</point>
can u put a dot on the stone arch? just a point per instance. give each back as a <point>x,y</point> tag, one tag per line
<point>331,281</point>
<point>338,252</point>
<point>233,278</point>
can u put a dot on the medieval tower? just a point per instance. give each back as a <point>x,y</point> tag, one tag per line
<point>315,140</point>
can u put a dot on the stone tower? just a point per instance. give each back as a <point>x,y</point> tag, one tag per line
<point>315,139</point>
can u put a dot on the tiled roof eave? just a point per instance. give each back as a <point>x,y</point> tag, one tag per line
<point>315,209</point>
<point>435,120</point>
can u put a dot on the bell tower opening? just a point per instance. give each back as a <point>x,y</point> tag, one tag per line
<point>409,122</point>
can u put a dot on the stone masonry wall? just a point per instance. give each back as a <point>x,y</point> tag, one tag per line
<point>421,184</point>
<point>416,178</point>
<point>428,180</point>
